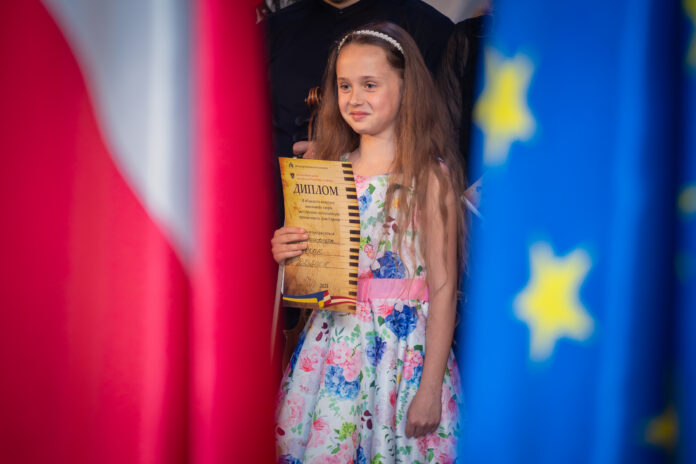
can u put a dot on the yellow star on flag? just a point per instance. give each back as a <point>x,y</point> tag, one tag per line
<point>685,262</point>
<point>687,200</point>
<point>550,303</point>
<point>663,430</point>
<point>690,9</point>
<point>501,111</point>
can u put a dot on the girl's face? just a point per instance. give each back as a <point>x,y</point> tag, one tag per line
<point>369,89</point>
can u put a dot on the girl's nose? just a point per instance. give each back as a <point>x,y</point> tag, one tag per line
<point>356,97</point>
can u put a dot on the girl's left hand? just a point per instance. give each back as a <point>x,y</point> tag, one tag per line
<point>423,415</point>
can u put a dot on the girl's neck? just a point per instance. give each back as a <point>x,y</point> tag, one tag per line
<point>373,156</point>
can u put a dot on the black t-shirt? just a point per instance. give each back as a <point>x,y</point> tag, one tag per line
<point>458,73</point>
<point>301,36</point>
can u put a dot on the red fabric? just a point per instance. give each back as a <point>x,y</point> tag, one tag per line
<point>234,275</point>
<point>93,329</point>
<point>110,351</point>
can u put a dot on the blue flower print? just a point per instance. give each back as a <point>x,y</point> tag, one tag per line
<point>360,457</point>
<point>337,384</point>
<point>288,459</point>
<point>364,201</point>
<point>402,323</point>
<point>390,267</point>
<point>375,349</point>
<point>296,353</point>
<point>417,372</point>
<point>349,390</point>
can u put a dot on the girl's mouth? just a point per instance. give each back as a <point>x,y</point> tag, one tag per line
<point>358,115</point>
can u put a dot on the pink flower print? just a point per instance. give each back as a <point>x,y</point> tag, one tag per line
<point>366,275</point>
<point>369,250</point>
<point>444,449</point>
<point>389,361</point>
<point>343,356</point>
<point>309,360</point>
<point>454,374</point>
<point>344,456</point>
<point>450,408</point>
<point>384,310</point>
<point>339,354</point>
<point>413,359</point>
<point>447,450</point>
<point>320,431</point>
<point>422,444</point>
<point>361,184</point>
<point>295,403</point>
<point>363,313</point>
<point>307,363</point>
<point>352,366</point>
<point>330,459</point>
<point>320,424</point>
<point>392,398</point>
<point>430,441</point>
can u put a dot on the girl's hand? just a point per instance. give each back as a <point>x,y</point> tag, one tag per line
<point>304,149</point>
<point>288,242</point>
<point>423,415</point>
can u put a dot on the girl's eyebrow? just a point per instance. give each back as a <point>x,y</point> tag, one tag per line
<point>359,77</point>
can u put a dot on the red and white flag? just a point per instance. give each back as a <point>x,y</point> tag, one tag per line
<point>137,200</point>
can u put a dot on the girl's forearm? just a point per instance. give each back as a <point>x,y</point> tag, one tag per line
<point>439,332</point>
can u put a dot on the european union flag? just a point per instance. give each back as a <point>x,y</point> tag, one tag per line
<point>569,348</point>
<point>686,240</point>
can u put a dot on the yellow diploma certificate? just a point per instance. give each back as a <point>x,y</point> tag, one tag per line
<point>320,197</point>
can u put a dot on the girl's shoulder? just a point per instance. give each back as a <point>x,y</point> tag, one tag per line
<point>439,177</point>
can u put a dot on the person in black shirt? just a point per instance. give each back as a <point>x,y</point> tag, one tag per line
<point>457,76</point>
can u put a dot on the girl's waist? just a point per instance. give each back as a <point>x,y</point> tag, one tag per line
<point>403,289</point>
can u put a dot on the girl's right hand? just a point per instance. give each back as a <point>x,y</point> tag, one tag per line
<point>288,242</point>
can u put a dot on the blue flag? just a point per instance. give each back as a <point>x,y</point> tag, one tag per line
<point>569,349</point>
<point>686,242</point>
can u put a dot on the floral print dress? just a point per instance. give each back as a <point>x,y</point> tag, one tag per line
<point>345,395</point>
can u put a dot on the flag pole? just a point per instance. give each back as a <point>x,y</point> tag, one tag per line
<point>276,307</point>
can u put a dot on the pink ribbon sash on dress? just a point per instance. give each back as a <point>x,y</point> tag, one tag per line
<point>404,289</point>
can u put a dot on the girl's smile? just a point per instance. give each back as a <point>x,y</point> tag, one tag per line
<point>358,115</point>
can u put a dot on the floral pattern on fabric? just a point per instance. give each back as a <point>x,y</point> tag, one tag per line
<point>389,266</point>
<point>346,393</point>
<point>402,322</point>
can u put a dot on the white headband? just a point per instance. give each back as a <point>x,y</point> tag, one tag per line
<point>379,35</point>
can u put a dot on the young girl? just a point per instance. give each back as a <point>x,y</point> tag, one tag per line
<point>381,385</point>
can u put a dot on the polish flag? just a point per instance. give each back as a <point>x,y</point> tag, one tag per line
<point>136,206</point>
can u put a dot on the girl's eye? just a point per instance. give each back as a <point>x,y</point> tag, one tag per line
<point>370,85</point>
<point>343,87</point>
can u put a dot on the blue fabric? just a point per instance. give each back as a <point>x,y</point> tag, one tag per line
<point>590,188</point>
<point>686,244</point>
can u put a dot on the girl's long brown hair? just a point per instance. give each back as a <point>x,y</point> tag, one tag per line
<point>423,133</point>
